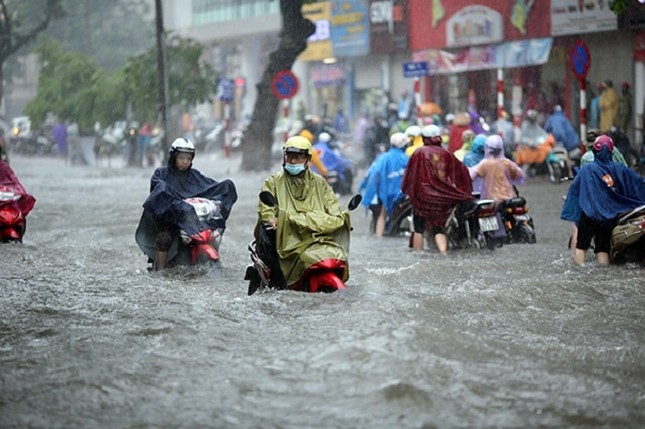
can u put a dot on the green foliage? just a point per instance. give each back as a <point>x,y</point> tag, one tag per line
<point>67,86</point>
<point>73,87</point>
<point>190,81</point>
<point>619,6</point>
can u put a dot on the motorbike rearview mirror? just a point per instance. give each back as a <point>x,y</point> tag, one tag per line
<point>355,201</point>
<point>267,198</point>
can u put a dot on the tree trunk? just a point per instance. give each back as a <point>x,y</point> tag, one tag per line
<point>257,141</point>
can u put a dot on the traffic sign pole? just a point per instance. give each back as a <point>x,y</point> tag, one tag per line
<point>500,93</point>
<point>580,62</point>
<point>417,98</point>
<point>285,113</point>
<point>227,130</point>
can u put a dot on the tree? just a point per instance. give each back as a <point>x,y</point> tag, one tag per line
<point>190,80</point>
<point>16,30</point>
<point>109,31</point>
<point>257,142</point>
<point>619,6</point>
<point>70,85</point>
<point>73,87</point>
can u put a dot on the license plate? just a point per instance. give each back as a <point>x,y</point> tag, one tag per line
<point>522,217</point>
<point>488,224</point>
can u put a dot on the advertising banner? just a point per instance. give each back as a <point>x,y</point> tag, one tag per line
<point>577,17</point>
<point>519,53</point>
<point>350,28</point>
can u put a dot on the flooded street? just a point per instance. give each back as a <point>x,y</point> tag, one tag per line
<point>514,338</point>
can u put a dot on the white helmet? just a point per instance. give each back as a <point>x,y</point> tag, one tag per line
<point>182,144</point>
<point>399,140</point>
<point>431,131</point>
<point>324,137</point>
<point>413,131</point>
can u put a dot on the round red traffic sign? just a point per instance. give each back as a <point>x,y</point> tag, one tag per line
<point>284,84</point>
<point>580,60</point>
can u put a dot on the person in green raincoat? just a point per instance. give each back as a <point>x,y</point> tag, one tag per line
<point>308,223</point>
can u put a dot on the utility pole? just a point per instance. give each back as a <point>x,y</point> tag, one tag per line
<point>162,80</point>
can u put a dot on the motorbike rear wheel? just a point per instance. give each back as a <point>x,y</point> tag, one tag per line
<point>524,233</point>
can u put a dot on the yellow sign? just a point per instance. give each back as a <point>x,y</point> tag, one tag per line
<point>319,44</point>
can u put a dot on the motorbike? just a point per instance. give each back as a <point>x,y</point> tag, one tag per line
<point>399,223</point>
<point>12,222</point>
<point>325,275</point>
<point>199,248</point>
<point>472,224</point>
<point>557,164</point>
<point>628,237</point>
<point>518,224</point>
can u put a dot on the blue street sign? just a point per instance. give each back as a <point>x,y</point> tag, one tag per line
<point>225,89</point>
<point>417,69</point>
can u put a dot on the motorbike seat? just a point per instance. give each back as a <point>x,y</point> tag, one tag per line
<point>628,215</point>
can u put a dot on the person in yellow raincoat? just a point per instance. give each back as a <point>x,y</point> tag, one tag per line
<point>307,222</point>
<point>315,156</point>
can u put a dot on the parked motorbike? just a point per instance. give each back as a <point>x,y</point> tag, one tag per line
<point>472,224</point>
<point>517,222</point>
<point>399,223</point>
<point>264,271</point>
<point>628,237</point>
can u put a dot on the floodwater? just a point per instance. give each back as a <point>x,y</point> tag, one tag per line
<point>514,338</point>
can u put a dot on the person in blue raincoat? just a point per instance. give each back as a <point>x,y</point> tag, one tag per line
<point>332,160</point>
<point>476,153</point>
<point>167,210</point>
<point>600,193</point>
<point>383,187</point>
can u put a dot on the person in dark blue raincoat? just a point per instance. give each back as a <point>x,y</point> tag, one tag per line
<point>600,193</point>
<point>383,180</point>
<point>166,211</point>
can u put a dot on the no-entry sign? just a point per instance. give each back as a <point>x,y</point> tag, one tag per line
<point>284,84</point>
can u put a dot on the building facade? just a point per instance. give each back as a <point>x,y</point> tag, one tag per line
<point>355,59</point>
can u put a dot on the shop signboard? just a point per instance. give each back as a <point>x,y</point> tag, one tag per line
<point>318,44</point>
<point>350,25</point>
<point>442,23</point>
<point>388,26</point>
<point>579,17</point>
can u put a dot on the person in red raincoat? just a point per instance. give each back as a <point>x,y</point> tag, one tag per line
<point>435,181</point>
<point>460,124</point>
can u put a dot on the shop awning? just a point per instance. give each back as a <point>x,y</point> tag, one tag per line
<point>518,53</point>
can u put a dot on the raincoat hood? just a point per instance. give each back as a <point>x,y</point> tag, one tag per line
<point>476,153</point>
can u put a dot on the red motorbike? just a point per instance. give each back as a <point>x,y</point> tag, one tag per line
<point>15,204</point>
<point>264,271</point>
<point>12,223</point>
